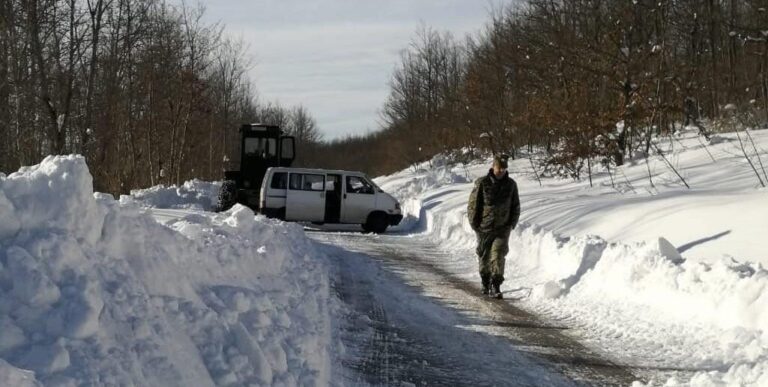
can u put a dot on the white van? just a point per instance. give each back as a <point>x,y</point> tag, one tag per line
<point>327,196</point>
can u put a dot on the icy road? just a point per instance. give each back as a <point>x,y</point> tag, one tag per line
<point>411,322</point>
<point>408,319</point>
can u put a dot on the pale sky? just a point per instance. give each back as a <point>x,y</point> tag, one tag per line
<point>336,57</point>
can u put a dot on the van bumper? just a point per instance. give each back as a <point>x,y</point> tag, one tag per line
<point>394,219</point>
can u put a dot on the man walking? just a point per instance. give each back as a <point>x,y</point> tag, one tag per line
<point>493,210</point>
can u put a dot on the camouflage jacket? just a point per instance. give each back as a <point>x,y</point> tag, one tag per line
<point>494,205</point>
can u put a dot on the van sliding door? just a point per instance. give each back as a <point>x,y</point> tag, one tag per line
<point>305,200</point>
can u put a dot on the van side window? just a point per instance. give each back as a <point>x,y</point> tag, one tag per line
<point>306,182</point>
<point>279,180</point>
<point>358,185</point>
<point>314,182</point>
<point>295,181</point>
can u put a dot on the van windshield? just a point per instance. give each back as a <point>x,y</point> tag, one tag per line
<point>373,184</point>
<point>359,185</point>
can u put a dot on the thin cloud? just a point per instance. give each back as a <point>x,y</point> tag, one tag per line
<point>335,57</point>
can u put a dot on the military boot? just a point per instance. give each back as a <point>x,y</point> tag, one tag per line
<point>497,291</point>
<point>486,284</point>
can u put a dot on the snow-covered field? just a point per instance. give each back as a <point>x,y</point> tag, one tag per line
<point>95,291</point>
<point>657,276</point>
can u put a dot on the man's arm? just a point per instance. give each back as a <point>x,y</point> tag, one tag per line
<point>514,208</point>
<point>475,206</point>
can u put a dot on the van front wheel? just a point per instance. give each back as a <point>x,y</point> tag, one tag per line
<point>377,223</point>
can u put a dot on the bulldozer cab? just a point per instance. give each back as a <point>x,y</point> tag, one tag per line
<point>264,146</point>
<point>261,147</point>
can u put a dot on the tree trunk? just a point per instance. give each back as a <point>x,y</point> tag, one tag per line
<point>5,102</point>
<point>714,84</point>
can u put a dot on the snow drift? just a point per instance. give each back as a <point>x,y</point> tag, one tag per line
<point>96,291</point>
<point>193,194</point>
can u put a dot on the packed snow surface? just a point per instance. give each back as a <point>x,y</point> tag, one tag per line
<point>653,274</point>
<point>95,291</point>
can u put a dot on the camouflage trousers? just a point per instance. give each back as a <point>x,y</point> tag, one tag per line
<point>492,249</point>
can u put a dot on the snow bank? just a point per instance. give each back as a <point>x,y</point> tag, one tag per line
<point>194,194</point>
<point>410,190</point>
<point>427,179</point>
<point>96,291</point>
<point>708,314</point>
<point>59,203</point>
<point>726,293</point>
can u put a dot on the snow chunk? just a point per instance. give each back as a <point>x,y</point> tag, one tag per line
<point>11,223</point>
<point>56,194</point>
<point>251,348</point>
<point>46,358</point>
<point>669,251</point>
<point>239,216</point>
<point>78,316</point>
<point>11,336</point>
<point>28,284</point>
<point>12,376</point>
<point>550,289</point>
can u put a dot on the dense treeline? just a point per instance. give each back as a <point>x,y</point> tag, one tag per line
<point>146,91</point>
<point>587,80</point>
<point>150,94</point>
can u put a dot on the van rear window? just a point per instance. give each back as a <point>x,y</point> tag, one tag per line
<point>279,180</point>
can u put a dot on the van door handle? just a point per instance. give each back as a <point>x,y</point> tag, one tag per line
<point>345,196</point>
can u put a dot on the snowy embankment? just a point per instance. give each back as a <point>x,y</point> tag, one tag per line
<point>96,291</point>
<point>700,307</point>
<point>194,194</point>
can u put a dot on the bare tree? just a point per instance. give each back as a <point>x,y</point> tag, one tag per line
<point>303,126</point>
